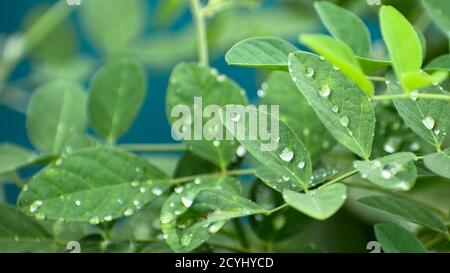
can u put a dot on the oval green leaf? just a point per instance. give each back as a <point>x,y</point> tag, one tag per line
<point>93,185</point>
<point>56,111</point>
<point>395,239</point>
<point>341,106</point>
<point>116,95</point>
<point>439,163</point>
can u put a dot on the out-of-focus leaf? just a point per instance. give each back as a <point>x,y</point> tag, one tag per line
<point>117,92</point>
<point>56,111</point>
<point>93,185</point>
<point>405,210</point>
<point>441,63</point>
<point>341,106</point>
<point>395,239</point>
<point>57,46</point>
<point>20,233</point>
<point>345,26</point>
<point>112,24</point>
<point>14,97</point>
<point>440,12</point>
<point>167,11</point>
<point>215,6</point>
<point>13,157</point>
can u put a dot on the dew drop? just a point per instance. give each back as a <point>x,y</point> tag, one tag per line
<point>428,122</point>
<point>135,184</point>
<point>309,72</point>
<point>325,91</point>
<point>335,108</point>
<point>40,216</point>
<point>197,181</point>
<point>108,218</point>
<point>216,143</point>
<point>142,189</point>
<point>215,227</point>
<point>179,189</point>
<point>186,239</point>
<point>414,146</point>
<point>386,174</point>
<point>157,191</point>
<point>136,203</point>
<point>287,154</point>
<point>414,95</point>
<point>236,117</point>
<point>241,151</point>
<point>78,202</point>
<point>261,93</point>
<point>437,132</point>
<point>128,212</point>
<point>120,201</point>
<point>375,164</point>
<point>166,218</point>
<point>221,78</point>
<point>35,205</point>
<point>186,202</point>
<point>344,121</point>
<point>94,221</point>
<point>25,188</point>
<point>285,178</point>
<point>403,185</point>
<point>301,165</point>
<point>306,131</point>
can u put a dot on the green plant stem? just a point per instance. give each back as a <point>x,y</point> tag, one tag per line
<point>200,27</point>
<point>276,209</point>
<point>153,147</point>
<point>340,178</point>
<point>376,79</point>
<point>186,179</point>
<point>408,96</point>
<point>35,34</point>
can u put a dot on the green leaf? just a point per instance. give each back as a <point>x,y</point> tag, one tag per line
<point>441,63</point>
<point>405,210</point>
<point>371,65</point>
<point>439,163</point>
<point>285,162</point>
<point>20,233</point>
<point>427,118</point>
<point>168,11</point>
<point>279,89</point>
<point>395,239</point>
<point>341,56</point>
<point>58,45</point>
<point>196,211</point>
<point>56,111</point>
<point>261,52</point>
<point>216,6</point>
<point>341,106</point>
<point>13,157</point>
<point>319,204</point>
<point>395,172</point>
<point>189,83</point>
<point>402,41</point>
<point>190,164</point>
<point>345,26</point>
<point>93,185</point>
<point>440,12</point>
<point>118,23</point>
<point>116,95</point>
